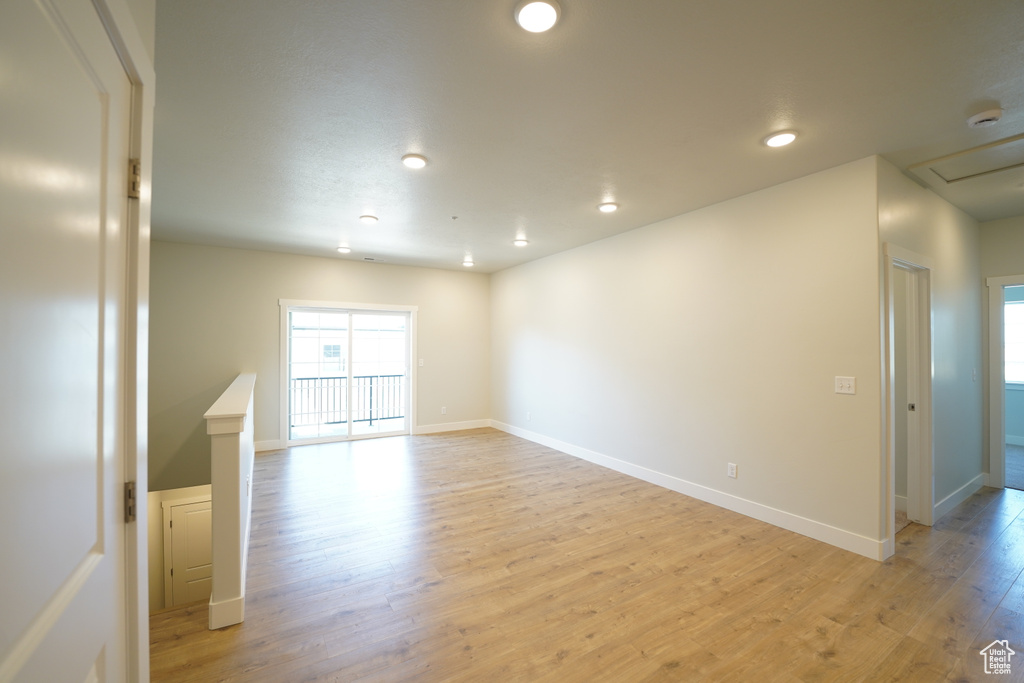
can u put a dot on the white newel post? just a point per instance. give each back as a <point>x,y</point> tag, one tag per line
<point>229,424</point>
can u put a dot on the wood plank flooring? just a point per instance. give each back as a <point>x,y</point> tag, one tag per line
<point>478,556</point>
<point>1014,471</point>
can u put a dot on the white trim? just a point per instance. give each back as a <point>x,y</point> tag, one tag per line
<point>269,445</point>
<point>334,305</point>
<point>895,251</point>
<point>847,540</point>
<point>901,503</point>
<point>451,426</point>
<point>921,459</point>
<point>1014,440</point>
<point>997,379</point>
<point>127,40</point>
<point>227,612</point>
<point>959,496</point>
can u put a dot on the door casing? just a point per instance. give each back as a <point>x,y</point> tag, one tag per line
<point>997,380</point>
<point>920,457</point>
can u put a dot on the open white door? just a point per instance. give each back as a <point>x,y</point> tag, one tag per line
<point>65,112</point>
<point>908,391</point>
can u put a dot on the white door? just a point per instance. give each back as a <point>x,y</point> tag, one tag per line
<point>191,553</point>
<point>64,122</point>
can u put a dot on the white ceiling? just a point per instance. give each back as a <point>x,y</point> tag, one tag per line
<point>279,123</point>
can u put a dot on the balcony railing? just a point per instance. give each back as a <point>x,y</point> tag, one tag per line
<point>322,400</point>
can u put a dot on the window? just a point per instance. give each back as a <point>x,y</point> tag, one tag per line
<point>1013,322</point>
<point>347,369</point>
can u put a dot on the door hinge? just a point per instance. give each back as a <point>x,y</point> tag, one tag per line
<point>134,178</point>
<point>129,501</point>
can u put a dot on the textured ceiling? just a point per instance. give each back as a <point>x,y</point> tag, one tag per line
<point>279,123</point>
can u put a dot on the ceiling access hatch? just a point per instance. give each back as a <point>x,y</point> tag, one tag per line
<point>986,181</point>
<point>1002,155</point>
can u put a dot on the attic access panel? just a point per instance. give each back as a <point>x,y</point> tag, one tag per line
<point>1002,155</point>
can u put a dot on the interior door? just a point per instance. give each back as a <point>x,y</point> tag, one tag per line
<point>64,117</point>
<point>191,552</point>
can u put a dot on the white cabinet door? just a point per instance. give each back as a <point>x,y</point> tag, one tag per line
<point>64,122</point>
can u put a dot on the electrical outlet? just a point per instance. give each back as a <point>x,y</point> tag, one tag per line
<point>444,410</point>
<point>846,385</point>
<point>527,415</point>
<point>732,470</point>
<point>421,362</point>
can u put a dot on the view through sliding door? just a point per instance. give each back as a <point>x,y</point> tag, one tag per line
<point>347,373</point>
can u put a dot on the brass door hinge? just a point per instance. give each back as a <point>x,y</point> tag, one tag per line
<point>129,501</point>
<point>134,178</point>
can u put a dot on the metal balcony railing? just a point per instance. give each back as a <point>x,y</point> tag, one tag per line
<point>322,400</point>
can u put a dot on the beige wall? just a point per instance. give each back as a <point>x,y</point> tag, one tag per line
<point>144,14</point>
<point>215,313</point>
<point>1002,255</point>
<point>1002,247</point>
<point>710,338</point>
<point>919,220</point>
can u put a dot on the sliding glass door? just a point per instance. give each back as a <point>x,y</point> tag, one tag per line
<point>347,373</point>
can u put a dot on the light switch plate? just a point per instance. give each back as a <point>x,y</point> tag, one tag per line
<point>846,385</point>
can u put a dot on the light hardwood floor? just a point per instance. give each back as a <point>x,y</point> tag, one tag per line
<point>478,556</point>
<point>1014,471</point>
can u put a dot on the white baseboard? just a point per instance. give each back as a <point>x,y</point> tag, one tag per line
<point>1015,440</point>
<point>901,503</point>
<point>451,426</point>
<point>958,496</point>
<point>847,540</point>
<point>271,445</point>
<point>226,612</point>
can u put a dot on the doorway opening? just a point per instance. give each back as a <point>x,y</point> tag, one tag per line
<point>346,370</point>
<point>911,489</point>
<point>1006,382</point>
<point>1013,375</point>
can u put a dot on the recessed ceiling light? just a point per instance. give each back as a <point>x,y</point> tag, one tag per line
<point>520,242</point>
<point>537,16</point>
<point>344,250</point>
<point>608,207</point>
<point>414,160</point>
<point>368,219</point>
<point>780,139</point>
<point>468,262</point>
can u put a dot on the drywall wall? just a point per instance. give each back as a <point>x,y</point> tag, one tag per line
<point>1002,255</point>
<point>713,338</point>
<point>144,14</point>
<point>214,313</point>
<point>1002,247</point>
<point>917,219</point>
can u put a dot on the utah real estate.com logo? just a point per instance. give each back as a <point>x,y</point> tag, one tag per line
<point>997,657</point>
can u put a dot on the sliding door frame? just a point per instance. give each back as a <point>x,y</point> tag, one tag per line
<point>338,306</point>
